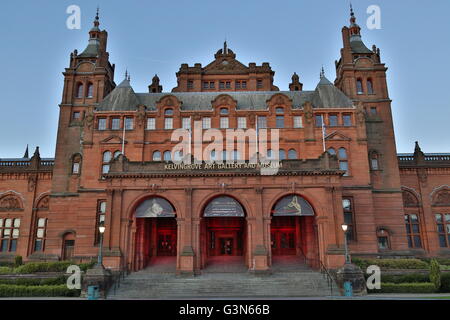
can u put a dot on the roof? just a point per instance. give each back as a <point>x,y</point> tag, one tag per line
<point>358,45</point>
<point>326,95</point>
<point>91,50</point>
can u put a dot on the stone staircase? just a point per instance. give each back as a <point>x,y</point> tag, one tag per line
<point>284,282</point>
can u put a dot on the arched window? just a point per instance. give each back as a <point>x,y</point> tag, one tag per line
<point>331,151</point>
<point>282,154</point>
<point>292,154</point>
<point>168,112</point>
<point>359,87</point>
<point>167,156</point>
<point>279,110</point>
<point>223,111</point>
<point>117,154</point>
<point>79,89</point>
<point>76,164</point>
<point>374,161</point>
<point>106,159</point>
<point>369,86</point>
<point>343,161</point>
<point>383,239</point>
<point>90,90</point>
<point>156,156</point>
<point>178,155</point>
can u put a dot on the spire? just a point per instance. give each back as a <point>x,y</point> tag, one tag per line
<point>36,153</point>
<point>225,48</point>
<point>355,29</point>
<point>322,73</point>
<point>97,19</point>
<point>26,155</point>
<point>417,147</point>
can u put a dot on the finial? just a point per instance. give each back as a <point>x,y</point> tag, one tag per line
<point>417,147</point>
<point>126,74</point>
<point>225,49</point>
<point>26,155</point>
<point>351,10</point>
<point>97,22</point>
<point>322,73</point>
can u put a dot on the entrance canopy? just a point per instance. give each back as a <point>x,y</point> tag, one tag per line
<point>292,205</point>
<point>224,207</point>
<point>155,208</point>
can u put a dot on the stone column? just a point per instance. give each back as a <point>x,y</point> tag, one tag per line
<point>186,258</point>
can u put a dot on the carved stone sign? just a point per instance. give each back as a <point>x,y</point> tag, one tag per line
<point>155,208</point>
<point>293,206</point>
<point>224,207</point>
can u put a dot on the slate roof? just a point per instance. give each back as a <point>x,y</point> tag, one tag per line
<point>358,45</point>
<point>326,95</point>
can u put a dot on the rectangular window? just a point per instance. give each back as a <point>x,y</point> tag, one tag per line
<point>343,165</point>
<point>413,230</point>
<point>262,122</point>
<point>128,123</point>
<point>115,123</point>
<point>168,123</point>
<point>347,204</point>
<point>102,124</point>
<point>347,120</point>
<point>228,85</point>
<point>280,122</point>
<point>206,123</point>
<point>373,111</point>
<point>319,120</point>
<point>298,122</point>
<point>9,233</point>
<point>190,84</point>
<point>105,168</point>
<point>186,123</point>
<point>238,85</point>
<point>443,229</point>
<point>151,124</point>
<point>333,120</point>
<point>242,122</point>
<point>40,234</point>
<point>205,85</point>
<point>221,85</point>
<point>223,123</point>
<point>244,84</point>
<point>76,168</point>
<point>259,84</point>
<point>211,85</point>
<point>383,243</point>
<point>76,115</point>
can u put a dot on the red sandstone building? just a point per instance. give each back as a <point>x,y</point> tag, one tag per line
<point>395,205</point>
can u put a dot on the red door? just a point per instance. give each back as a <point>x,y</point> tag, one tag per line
<point>167,243</point>
<point>283,242</point>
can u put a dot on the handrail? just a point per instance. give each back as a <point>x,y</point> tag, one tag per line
<point>123,272</point>
<point>322,268</point>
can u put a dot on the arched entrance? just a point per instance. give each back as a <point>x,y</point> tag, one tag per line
<point>223,233</point>
<point>292,231</point>
<point>156,233</point>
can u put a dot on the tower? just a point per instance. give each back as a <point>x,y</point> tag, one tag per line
<point>87,80</point>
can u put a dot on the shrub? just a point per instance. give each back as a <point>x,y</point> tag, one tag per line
<point>445,282</point>
<point>35,282</point>
<point>34,267</point>
<point>391,263</point>
<point>10,290</point>
<point>18,261</point>
<point>435,274</point>
<point>5,270</point>
<point>85,266</point>
<point>405,278</point>
<point>427,287</point>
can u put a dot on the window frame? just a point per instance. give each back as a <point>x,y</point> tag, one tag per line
<point>410,233</point>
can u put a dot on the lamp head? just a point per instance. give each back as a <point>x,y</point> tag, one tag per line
<point>101,228</point>
<point>344,227</point>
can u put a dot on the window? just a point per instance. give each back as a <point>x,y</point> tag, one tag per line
<point>102,124</point>
<point>76,164</point>
<point>373,111</point>
<point>167,156</point>
<point>115,123</point>
<point>413,230</point>
<point>128,123</point>
<point>101,214</point>
<point>443,228</point>
<point>279,110</point>
<point>223,123</point>
<point>343,161</point>
<point>280,122</point>
<point>39,241</point>
<point>374,161</point>
<point>228,85</point>
<point>211,85</point>
<point>331,151</point>
<point>236,155</point>
<point>117,154</point>
<point>178,155</point>
<point>282,154</point>
<point>347,204</point>
<point>76,116</point>
<point>262,122</point>
<point>186,123</point>
<point>90,91</point>
<point>156,156</point>
<point>9,233</point>
<point>347,120</point>
<point>298,122</point>
<point>190,84</point>
<point>383,241</point>
<point>223,111</point>
<point>270,155</point>
<point>212,155</point>
<point>79,90</point>
<point>205,85</point>
<point>333,119</point>
<point>241,84</point>
<point>259,83</point>
<point>319,120</point>
<point>206,123</point>
<point>292,154</point>
<point>151,124</point>
<point>224,155</point>
<point>106,159</point>
<point>168,123</point>
<point>359,87</point>
<point>369,86</point>
<point>168,112</point>
<point>221,85</point>
<point>242,122</point>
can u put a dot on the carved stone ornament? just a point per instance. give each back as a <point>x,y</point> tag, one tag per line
<point>89,119</point>
<point>409,200</point>
<point>9,203</point>
<point>307,107</point>
<point>44,203</point>
<point>443,198</point>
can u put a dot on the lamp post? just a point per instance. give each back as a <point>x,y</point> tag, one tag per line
<point>101,229</point>
<point>347,255</point>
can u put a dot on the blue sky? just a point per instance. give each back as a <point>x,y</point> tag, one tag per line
<point>149,37</point>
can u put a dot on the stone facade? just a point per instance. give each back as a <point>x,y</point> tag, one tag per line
<point>359,179</point>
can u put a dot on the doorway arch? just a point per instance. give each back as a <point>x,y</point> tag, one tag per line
<point>156,232</point>
<point>292,230</point>
<point>223,231</point>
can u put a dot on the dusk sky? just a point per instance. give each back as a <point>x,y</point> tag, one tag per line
<point>149,37</point>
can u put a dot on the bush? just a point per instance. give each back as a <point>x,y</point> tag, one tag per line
<point>8,290</point>
<point>18,261</point>
<point>427,287</point>
<point>85,266</point>
<point>435,274</point>
<point>391,263</point>
<point>34,267</point>
<point>405,278</point>
<point>445,282</point>
<point>35,282</point>
<point>6,270</point>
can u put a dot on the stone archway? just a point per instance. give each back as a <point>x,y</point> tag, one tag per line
<point>156,233</point>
